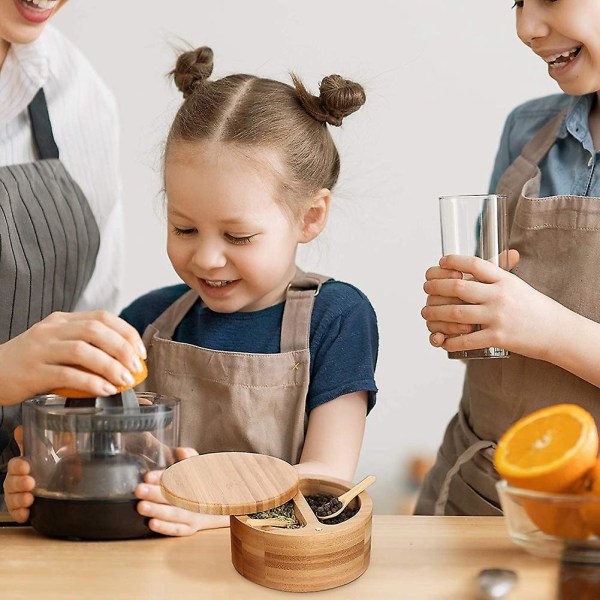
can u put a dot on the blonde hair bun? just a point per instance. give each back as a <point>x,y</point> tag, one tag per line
<point>338,98</point>
<point>255,112</point>
<point>192,69</point>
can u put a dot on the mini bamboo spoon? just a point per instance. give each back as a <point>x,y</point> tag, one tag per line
<point>342,501</point>
<point>272,522</point>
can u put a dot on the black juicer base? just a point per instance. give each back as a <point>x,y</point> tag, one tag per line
<point>88,519</point>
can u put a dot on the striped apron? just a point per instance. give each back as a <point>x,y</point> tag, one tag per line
<point>49,241</point>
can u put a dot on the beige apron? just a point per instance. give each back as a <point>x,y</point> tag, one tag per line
<point>559,244</point>
<point>237,401</point>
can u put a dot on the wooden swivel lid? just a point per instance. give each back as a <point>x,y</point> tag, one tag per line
<point>229,483</point>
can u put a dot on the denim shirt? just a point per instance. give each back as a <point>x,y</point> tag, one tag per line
<point>569,168</point>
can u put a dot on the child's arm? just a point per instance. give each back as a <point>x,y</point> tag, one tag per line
<point>334,437</point>
<point>512,315</point>
<point>332,447</point>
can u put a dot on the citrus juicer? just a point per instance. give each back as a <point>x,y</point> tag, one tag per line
<point>87,456</point>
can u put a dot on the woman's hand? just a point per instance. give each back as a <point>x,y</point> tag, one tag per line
<point>511,314</point>
<point>48,355</point>
<point>168,519</point>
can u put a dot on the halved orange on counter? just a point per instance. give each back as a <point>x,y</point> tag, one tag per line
<point>562,518</point>
<point>550,450</point>
<point>138,377</point>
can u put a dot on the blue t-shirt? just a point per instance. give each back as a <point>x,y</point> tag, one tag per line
<point>343,335</point>
<point>569,168</point>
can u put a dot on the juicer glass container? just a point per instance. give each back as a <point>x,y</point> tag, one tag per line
<point>87,461</point>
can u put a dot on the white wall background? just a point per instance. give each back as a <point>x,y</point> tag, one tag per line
<point>440,76</point>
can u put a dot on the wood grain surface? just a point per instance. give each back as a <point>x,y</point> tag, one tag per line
<point>412,558</point>
<point>229,483</point>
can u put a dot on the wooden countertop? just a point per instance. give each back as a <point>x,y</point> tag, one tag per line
<point>413,558</point>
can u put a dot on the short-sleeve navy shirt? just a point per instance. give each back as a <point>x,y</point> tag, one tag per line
<point>344,338</point>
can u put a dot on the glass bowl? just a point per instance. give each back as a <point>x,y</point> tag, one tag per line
<point>564,526</point>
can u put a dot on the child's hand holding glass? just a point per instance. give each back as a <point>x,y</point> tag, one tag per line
<point>511,313</point>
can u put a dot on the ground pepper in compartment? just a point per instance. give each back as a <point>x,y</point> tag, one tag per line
<point>283,511</point>
<point>319,500</point>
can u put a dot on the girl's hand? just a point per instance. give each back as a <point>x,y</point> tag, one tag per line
<point>168,519</point>
<point>18,488</point>
<point>19,485</point>
<point>441,330</point>
<point>511,313</point>
<point>47,355</point>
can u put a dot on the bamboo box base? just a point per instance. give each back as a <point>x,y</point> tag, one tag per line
<point>314,557</point>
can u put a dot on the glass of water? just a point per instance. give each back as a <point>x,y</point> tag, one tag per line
<point>476,225</point>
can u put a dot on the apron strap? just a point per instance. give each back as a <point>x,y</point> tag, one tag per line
<point>295,326</point>
<point>466,456</point>
<point>525,166</point>
<point>41,127</point>
<point>299,300</point>
<point>168,321</point>
<point>539,145</point>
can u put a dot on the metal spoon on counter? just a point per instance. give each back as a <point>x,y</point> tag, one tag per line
<point>495,583</point>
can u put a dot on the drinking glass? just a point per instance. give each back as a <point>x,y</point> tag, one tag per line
<point>476,225</point>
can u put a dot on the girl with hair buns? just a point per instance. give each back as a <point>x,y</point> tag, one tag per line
<point>265,358</point>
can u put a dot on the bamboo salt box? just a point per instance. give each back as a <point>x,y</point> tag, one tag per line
<point>316,556</point>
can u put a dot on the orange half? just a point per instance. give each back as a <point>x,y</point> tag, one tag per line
<point>548,450</point>
<point>73,393</point>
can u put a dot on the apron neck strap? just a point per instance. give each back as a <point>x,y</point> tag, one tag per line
<point>41,127</point>
<point>299,300</point>
<point>295,325</point>
<point>168,321</point>
<point>525,166</point>
<point>539,145</point>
